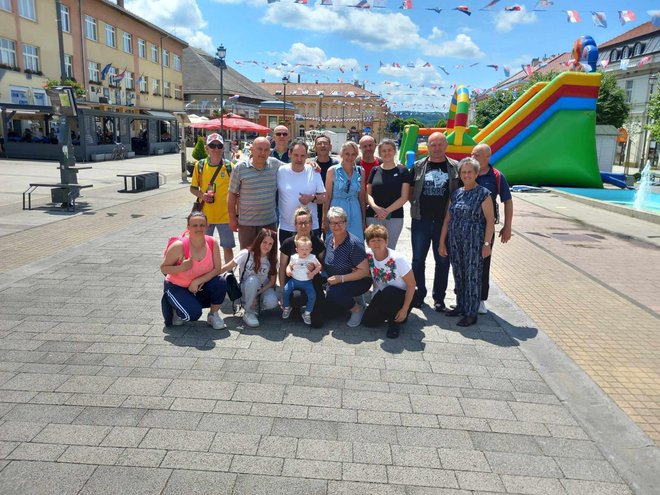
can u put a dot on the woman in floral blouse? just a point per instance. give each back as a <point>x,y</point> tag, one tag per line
<point>393,282</point>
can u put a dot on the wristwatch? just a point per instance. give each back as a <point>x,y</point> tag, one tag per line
<point>486,243</point>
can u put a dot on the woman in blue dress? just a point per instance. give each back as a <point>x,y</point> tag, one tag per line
<point>344,185</point>
<point>468,227</point>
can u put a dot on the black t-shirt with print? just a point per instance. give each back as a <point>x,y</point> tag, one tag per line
<point>435,192</point>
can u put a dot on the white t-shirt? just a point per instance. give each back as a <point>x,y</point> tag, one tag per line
<point>389,271</point>
<point>289,186</point>
<point>248,268</point>
<point>299,266</point>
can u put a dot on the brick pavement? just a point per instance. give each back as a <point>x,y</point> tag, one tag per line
<point>592,295</point>
<point>96,396</point>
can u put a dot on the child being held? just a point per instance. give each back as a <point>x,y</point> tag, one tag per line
<point>301,277</point>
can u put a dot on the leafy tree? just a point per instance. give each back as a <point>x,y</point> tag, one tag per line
<point>78,89</point>
<point>441,123</point>
<point>199,151</point>
<point>654,116</point>
<point>611,107</point>
<point>398,124</point>
<point>491,107</point>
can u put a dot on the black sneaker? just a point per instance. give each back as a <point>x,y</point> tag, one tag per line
<point>440,307</point>
<point>393,330</point>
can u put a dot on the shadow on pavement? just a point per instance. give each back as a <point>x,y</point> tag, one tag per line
<point>196,334</point>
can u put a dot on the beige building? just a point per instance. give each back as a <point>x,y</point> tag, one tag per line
<point>332,106</point>
<point>143,61</point>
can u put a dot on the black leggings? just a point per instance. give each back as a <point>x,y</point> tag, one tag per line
<point>384,306</point>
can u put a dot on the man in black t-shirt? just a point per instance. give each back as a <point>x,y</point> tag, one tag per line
<point>323,147</point>
<point>435,178</point>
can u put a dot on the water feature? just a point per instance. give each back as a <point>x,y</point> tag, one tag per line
<point>643,193</point>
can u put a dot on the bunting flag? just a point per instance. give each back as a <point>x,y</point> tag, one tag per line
<point>434,9</point>
<point>443,69</point>
<point>644,60</point>
<point>363,4</point>
<point>303,2</point>
<point>427,64</point>
<point>494,66</point>
<point>406,5</point>
<point>269,1</point>
<point>474,64</point>
<point>543,4</point>
<point>623,65</point>
<point>527,68</point>
<point>463,8</point>
<point>507,70</point>
<point>572,16</point>
<point>604,63</point>
<point>626,16</point>
<point>105,71</point>
<point>326,2</point>
<point>490,4</point>
<point>599,18</point>
<point>381,63</point>
<point>366,67</point>
<point>513,8</point>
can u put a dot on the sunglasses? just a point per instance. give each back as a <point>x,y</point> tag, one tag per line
<point>337,224</point>
<point>215,146</point>
<point>281,134</point>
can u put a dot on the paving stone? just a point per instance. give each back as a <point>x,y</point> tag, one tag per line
<point>37,452</point>
<point>367,385</point>
<point>43,478</point>
<point>174,362</point>
<point>110,416</point>
<point>232,423</point>
<point>9,396</point>
<point>489,409</point>
<point>527,485</point>
<point>421,476</point>
<point>332,414</point>
<point>313,396</point>
<point>542,413</point>
<point>205,461</point>
<point>405,365</point>
<point>306,468</point>
<point>463,460</point>
<point>377,401</point>
<point>235,443</point>
<point>279,410</point>
<point>81,454</point>
<point>278,446</point>
<point>184,420</point>
<point>561,447</point>
<point>372,453</point>
<point>145,402</point>
<point>588,469</point>
<point>462,423</point>
<point>582,487</point>
<point>354,488</point>
<point>177,440</point>
<point>19,431</point>
<point>379,418</point>
<point>484,382</point>
<point>536,398</point>
<point>251,464</point>
<point>72,434</point>
<point>518,427</point>
<point>428,404</point>
<point>121,480</point>
<point>405,455</point>
<point>124,436</point>
<point>370,473</point>
<point>269,485</point>
<point>502,442</point>
<point>37,382</point>
<point>200,483</point>
<point>367,433</point>
<point>258,392</point>
<point>523,464</point>
<point>330,371</point>
<point>141,457</point>
<point>479,481</point>
<point>6,448</point>
<point>87,384</point>
<point>300,428</point>
<point>200,389</point>
<point>278,379</point>
<point>572,432</point>
<point>318,381</point>
<point>473,393</point>
<point>229,407</point>
<point>419,420</point>
<point>126,385</point>
<point>428,437</point>
<point>196,405</point>
<point>324,450</point>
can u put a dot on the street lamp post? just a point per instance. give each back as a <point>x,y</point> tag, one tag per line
<point>285,80</point>
<point>320,108</point>
<point>220,54</point>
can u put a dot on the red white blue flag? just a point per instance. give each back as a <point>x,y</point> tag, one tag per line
<point>626,16</point>
<point>463,8</point>
<point>573,16</point>
<point>600,19</point>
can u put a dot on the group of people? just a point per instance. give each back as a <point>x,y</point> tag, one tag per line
<point>355,204</point>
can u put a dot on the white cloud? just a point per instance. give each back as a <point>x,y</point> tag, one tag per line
<point>460,47</point>
<point>299,53</point>
<point>436,33</point>
<point>505,21</point>
<point>417,75</point>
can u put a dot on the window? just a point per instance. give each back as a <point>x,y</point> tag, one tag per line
<point>30,58</point>
<point>5,5</point>
<point>112,73</point>
<point>8,52</point>
<point>178,91</point>
<point>627,51</point>
<point>144,84</point>
<point>68,65</point>
<point>638,49</point>
<point>94,72</point>
<point>66,19</point>
<point>166,58</point>
<point>110,36</point>
<point>128,81</point>
<point>614,55</point>
<point>142,48</point>
<point>629,90</point>
<point>166,88</point>
<point>90,28</point>
<point>155,86</point>
<point>154,54</point>
<point>26,9</point>
<point>19,95</point>
<point>128,43</point>
<point>177,63</point>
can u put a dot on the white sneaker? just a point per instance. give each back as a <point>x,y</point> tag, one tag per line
<point>286,312</point>
<point>356,318</point>
<point>307,317</point>
<point>215,320</point>
<point>482,308</point>
<point>250,319</point>
<point>177,321</point>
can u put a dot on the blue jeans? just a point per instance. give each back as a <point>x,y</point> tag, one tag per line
<point>307,286</point>
<point>423,234</point>
<point>188,305</point>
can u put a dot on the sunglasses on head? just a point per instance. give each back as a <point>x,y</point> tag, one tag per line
<point>215,146</point>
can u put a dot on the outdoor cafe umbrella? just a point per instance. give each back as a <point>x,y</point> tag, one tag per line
<point>234,124</point>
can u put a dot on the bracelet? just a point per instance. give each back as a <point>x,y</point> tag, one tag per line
<point>342,279</point>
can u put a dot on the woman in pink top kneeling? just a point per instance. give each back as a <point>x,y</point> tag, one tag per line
<point>192,265</point>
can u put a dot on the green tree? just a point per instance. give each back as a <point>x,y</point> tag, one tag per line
<point>491,107</point>
<point>78,89</point>
<point>611,107</point>
<point>441,123</point>
<point>654,116</point>
<point>396,125</point>
<point>199,151</point>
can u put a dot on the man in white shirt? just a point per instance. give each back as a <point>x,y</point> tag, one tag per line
<point>298,184</point>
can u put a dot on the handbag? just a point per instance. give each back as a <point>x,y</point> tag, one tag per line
<point>233,289</point>
<point>199,205</point>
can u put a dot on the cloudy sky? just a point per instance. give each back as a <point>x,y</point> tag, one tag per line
<point>410,57</point>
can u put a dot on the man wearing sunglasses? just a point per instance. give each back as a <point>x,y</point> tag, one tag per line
<point>281,149</point>
<point>210,189</point>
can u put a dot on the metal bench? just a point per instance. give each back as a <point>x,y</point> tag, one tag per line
<point>69,192</point>
<point>140,181</point>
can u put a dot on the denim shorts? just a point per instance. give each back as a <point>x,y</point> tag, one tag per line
<point>224,232</point>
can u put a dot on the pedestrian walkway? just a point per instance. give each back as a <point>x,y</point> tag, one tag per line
<point>97,396</point>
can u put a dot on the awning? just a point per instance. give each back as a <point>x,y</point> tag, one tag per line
<point>160,115</point>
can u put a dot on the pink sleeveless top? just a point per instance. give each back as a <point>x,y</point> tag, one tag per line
<point>198,269</point>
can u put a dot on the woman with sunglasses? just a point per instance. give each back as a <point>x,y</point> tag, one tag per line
<point>302,220</point>
<point>344,186</point>
<point>191,267</point>
<point>257,267</point>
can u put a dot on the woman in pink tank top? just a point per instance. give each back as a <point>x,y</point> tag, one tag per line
<point>192,267</point>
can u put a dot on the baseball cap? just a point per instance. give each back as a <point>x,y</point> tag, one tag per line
<point>214,137</point>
